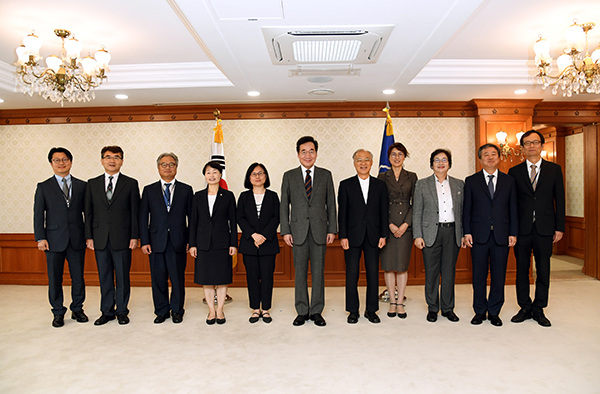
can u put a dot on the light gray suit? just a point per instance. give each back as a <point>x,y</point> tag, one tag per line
<point>441,248</point>
<point>309,224</point>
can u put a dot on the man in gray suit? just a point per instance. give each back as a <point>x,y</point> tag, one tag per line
<point>312,225</point>
<point>437,230</point>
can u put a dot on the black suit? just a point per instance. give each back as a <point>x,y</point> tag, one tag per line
<point>548,203</point>
<point>61,225</point>
<point>259,262</point>
<point>112,226</point>
<point>490,220</point>
<point>166,231</point>
<point>363,224</point>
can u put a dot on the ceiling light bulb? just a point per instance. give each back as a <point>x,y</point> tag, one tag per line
<point>563,62</point>
<point>596,55</point>
<point>102,57</point>
<point>1,101</point>
<point>89,65</point>
<point>121,96</point>
<point>389,91</point>
<point>53,62</point>
<point>575,36</point>
<point>33,44</point>
<point>73,48</point>
<point>253,93</point>
<point>520,91</point>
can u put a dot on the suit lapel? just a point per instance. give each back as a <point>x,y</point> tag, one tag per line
<point>121,183</point>
<point>481,181</point>
<point>433,189</point>
<point>252,204</point>
<point>303,176</point>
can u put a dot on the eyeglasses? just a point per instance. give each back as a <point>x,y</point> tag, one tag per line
<point>169,165</point>
<point>111,158</point>
<point>362,160</point>
<point>260,173</point>
<point>437,161</point>
<point>63,160</point>
<point>311,152</point>
<point>534,143</point>
<point>395,155</point>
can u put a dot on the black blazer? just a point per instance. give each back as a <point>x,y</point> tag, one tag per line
<point>218,231</point>
<point>157,224</point>
<point>266,225</point>
<point>53,220</point>
<point>358,220</point>
<point>480,210</point>
<point>117,220</point>
<point>548,200</point>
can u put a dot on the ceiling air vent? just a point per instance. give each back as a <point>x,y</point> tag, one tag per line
<point>326,45</point>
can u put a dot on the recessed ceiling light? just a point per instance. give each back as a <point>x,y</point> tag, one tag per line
<point>520,91</point>
<point>1,101</point>
<point>321,92</point>
<point>389,91</point>
<point>121,96</point>
<point>320,79</point>
<point>253,93</point>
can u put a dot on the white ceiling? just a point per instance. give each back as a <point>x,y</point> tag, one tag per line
<point>213,51</point>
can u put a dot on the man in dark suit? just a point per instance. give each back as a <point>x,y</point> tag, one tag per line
<point>112,203</point>
<point>58,229</point>
<point>310,227</point>
<point>164,216</point>
<point>363,222</point>
<point>541,207</point>
<point>490,224</point>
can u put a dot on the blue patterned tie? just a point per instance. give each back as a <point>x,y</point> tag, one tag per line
<point>167,196</point>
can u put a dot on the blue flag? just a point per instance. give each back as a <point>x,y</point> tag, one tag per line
<point>388,140</point>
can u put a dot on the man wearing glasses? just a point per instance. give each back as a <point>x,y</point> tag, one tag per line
<point>164,216</point>
<point>541,208</point>
<point>308,227</point>
<point>112,203</point>
<point>58,229</point>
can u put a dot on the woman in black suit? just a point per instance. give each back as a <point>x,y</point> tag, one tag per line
<point>213,239</point>
<point>258,217</point>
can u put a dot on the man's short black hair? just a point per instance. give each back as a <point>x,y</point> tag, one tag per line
<point>59,150</point>
<point>304,140</point>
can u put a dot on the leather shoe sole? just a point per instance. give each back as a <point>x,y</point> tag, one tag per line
<point>300,319</point>
<point>58,321</point>
<point>103,320</point>
<point>353,318</point>
<point>80,316</point>
<point>478,319</point>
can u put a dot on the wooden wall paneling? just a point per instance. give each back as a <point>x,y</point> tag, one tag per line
<point>575,237</point>
<point>591,167</point>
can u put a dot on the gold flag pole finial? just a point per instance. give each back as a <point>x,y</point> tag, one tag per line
<point>217,114</point>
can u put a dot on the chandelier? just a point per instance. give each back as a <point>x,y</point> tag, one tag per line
<point>578,72</point>
<point>68,77</point>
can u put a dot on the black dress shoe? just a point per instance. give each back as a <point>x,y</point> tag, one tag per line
<point>300,319</point>
<point>318,319</point>
<point>432,317</point>
<point>372,316</point>
<point>353,317</point>
<point>521,316</point>
<point>450,315</point>
<point>496,321</point>
<point>79,316</point>
<point>123,319</point>
<point>177,318</point>
<point>478,318</point>
<point>541,319</point>
<point>159,319</point>
<point>58,321</point>
<point>103,319</point>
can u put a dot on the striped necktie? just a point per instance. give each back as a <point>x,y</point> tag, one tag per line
<point>167,196</point>
<point>533,176</point>
<point>65,190</point>
<point>308,184</point>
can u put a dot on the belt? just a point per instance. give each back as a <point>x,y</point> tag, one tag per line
<point>448,224</point>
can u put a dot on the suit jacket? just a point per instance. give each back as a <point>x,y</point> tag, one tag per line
<point>218,231</point>
<point>426,209</point>
<point>358,219</point>
<point>117,221</point>
<point>319,213</point>
<point>548,199</point>
<point>251,223</point>
<point>481,211</point>
<point>157,224</point>
<point>400,195</point>
<point>56,222</point>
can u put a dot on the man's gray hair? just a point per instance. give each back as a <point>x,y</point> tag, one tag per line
<point>362,150</point>
<point>167,154</point>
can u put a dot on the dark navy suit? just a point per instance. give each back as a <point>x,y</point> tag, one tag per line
<point>490,221</point>
<point>166,231</point>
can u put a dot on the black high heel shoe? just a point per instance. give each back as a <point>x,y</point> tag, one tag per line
<point>392,314</point>
<point>402,315</point>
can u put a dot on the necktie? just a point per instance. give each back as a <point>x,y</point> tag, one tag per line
<point>109,189</point>
<point>491,185</point>
<point>167,196</point>
<point>533,176</point>
<point>65,190</point>
<point>308,184</point>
